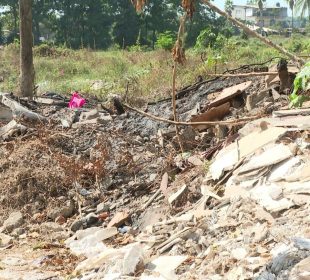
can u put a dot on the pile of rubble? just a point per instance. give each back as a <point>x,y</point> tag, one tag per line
<point>110,186</point>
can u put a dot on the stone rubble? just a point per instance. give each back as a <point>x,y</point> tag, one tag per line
<point>233,205</point>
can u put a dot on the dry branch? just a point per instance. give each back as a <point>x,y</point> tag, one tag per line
<point>252,74</point>
<point>254,34</point>
<point>178,56</point>
<point>229,123</point>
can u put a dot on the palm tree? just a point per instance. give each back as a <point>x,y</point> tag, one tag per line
<point>303,6</point>
<point>261,7</point>
<point>292,5</point>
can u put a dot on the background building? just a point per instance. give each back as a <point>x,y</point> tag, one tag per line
<point>270,15</point>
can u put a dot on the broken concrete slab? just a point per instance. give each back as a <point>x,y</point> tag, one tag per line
<point>270,156</point>
<point>114,260</point>
<point>5,240</point>
<point>284,169</point>
<point>292,112</point>
<point>296,187</point>
<point>166,266</point>
<point>133,258</point>
<point>89,242</point>
<point>229,93</point>
<point>302,243</point>
<point>254,98</point>
<point>301,173</point>
<point>15,220</point>
<point>301,271</point>
<point>263,195</point>
<point>92,114</point>
<point>230,155</point>
<point>119,218</point>
<point>247,146</point>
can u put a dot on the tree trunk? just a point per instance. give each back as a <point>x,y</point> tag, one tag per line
<point>36,32</point>
<point>292,21</point>
<point>255,34</point>
<point>26,56</point>
<point>153,39</point>
<point>15,15</point>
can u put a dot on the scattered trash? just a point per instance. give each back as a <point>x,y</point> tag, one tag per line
<point>76,101</point>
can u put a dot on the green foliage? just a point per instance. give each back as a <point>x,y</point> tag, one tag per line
<point>206,38</point>
<point>295,46</point>
<point>99,24</point>
<point>244,35</point>
<point>303,7</point>
<point>228,6</point>
<point>301,86</point>
<point>166,40</point>
<point>220,42</point>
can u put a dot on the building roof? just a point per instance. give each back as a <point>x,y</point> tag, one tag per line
<point>256,7</point>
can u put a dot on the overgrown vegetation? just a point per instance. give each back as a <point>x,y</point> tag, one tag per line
<point>143,73</point>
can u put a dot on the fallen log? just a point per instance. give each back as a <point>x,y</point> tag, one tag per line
<point>18,110</point>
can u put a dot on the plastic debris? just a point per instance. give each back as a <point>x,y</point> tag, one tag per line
<point>76,101</point>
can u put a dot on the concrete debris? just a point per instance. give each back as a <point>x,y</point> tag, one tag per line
<point>230,155</point>
<point>5,240</point>
<point>229,93</point>
<point>166,266</point>
<point>15,220</point>
<point>302,243</point>
<point>102,195</point>
<point>88,242</point>
<point>239,253</point>
<point>254,99</point>
<point>119,219</point>
<point>66,211</point>
<point>177,195</point>
<point>12,129</point>
<point>301,271</point>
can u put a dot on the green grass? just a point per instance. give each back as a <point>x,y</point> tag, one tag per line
<point>146,74</point>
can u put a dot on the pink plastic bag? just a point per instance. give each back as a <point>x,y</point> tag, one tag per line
<point>76,101</point>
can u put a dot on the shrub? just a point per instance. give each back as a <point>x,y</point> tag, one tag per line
<point>220,42</point>
<point>206,38</point>
<point>166,40</point>
<point>295,46</point>
<point>244,35</point>
<point>45,50</point>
